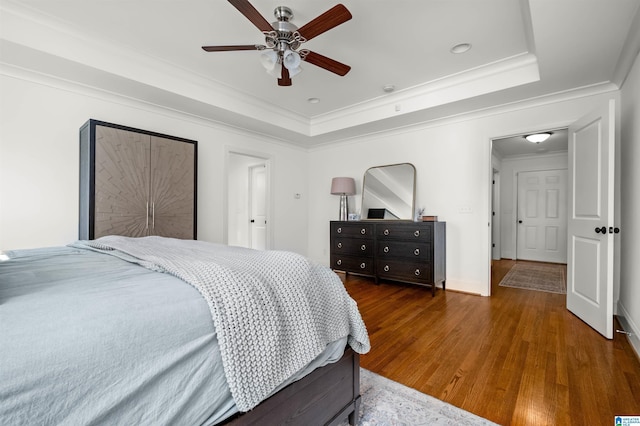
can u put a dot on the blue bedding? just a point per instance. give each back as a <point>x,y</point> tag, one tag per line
<point>87,338</point>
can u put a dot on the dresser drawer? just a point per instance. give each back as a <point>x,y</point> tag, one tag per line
<point>396,269</point>
<point>354,246</point>
<point>352,264</point>
<point>406,249</point>
<point>352,230</point>
<point>407,232</point>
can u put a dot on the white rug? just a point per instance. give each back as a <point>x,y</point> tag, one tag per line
<point>388,403</point>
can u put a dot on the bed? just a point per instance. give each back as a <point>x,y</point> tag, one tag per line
<point>160,331</point>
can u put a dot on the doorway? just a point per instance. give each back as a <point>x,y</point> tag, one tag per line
<point>247,196</point>
<point>515,160</point>
<point>592,215</point>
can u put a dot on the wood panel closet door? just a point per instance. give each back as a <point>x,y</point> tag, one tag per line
<point>121,182</point>
<point>136,183</point>
<point>172,189</point>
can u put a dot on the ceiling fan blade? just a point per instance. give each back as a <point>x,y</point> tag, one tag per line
<point>252,14</point>
<point>234,47</point>
<point>285,79</point>
<point>330,19</point>
<point>326,63</point>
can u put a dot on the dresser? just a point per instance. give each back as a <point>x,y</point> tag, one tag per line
<point>136,183</point>
<point>412,252</point>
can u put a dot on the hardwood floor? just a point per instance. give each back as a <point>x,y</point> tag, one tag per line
<point>518,357</point>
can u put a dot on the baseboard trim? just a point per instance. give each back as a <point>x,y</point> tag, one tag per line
<point>630,327</point>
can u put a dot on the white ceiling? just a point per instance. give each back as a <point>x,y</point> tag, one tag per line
<point>150,50</point>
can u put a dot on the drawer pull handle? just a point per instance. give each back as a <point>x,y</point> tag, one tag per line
<point>363,247</point>
<point>363,231</point>
<point>363,265</point>
<point>339,230</point>
<point>417,272</point>
<point>417,233</point>
<point>386,232</point>
<point>339,245</point>
<point>386,268</point>
<point>416,252</point>
<point>339,262</point>
<point>386,249</point>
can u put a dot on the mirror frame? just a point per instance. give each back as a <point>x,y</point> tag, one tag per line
<point>412,191</point>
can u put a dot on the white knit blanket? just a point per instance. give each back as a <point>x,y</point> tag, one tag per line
<point>274,311</point>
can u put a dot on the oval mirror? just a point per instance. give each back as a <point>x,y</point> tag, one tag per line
<point>388,192</point>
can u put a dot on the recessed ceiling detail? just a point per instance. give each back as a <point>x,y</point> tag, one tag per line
<point>522,50</point>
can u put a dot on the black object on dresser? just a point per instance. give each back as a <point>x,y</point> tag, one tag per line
<point>413,252</point>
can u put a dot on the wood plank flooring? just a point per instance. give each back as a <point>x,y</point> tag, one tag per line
<point>518,357</point>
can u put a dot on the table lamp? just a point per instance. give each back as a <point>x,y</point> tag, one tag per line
<point>343,186</point>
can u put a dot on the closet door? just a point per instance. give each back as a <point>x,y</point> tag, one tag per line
<point>121,182</point>
<point>172,193</point>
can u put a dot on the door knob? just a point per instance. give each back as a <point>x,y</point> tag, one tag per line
<point>603,230</point>
<point>519,221</point>
<point>613,230</point>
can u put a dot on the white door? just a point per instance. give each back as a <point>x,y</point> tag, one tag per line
<point>495,216</point>
<point>258,207</point>
<point>542,216</point>
<point>591,204</point>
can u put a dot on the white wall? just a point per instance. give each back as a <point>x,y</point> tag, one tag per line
<point>510,168</point>
<point>629,301</point>
<point>39,122</point>
<point>453,163</point>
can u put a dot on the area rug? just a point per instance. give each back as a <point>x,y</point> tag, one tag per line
<point>547,277</point>
<point>388,403</point>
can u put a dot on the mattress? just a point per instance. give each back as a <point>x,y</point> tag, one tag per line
<point>89,338</point>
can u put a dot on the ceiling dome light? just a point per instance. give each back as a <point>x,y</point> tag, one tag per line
<point>461,48</point>
<point>313,100</point>
<point>388,88</point>
<point>538,137</point>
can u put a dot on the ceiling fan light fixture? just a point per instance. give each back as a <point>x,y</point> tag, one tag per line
<point>538,137</point>
<point>294,71</point>
<point>276,71</point>
<point>269,59</point>
<point>291,60</point>
<point>283,39</point>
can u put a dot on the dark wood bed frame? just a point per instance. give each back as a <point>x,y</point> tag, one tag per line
<point>327,396</point>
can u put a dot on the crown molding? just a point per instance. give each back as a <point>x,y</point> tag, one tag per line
<point>35,32</point>
<point>504,74</point>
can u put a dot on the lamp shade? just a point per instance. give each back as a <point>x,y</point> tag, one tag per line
<point>343,185</point>
<point>291,59</point>
<point>269,59</point>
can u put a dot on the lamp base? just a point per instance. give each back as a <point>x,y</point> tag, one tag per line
<point>344,207</point>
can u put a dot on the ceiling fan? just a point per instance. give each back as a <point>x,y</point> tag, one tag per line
<point>281,56</point>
